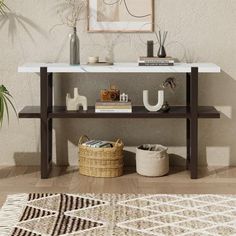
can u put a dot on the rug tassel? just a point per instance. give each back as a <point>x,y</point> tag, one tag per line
<point>11,212</point>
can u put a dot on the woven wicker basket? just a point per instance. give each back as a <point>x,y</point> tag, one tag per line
<point>101,162</point>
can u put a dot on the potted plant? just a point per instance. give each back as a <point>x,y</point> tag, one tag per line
<point>5,96</point>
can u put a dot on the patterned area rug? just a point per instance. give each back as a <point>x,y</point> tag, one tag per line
<point>118,215</point>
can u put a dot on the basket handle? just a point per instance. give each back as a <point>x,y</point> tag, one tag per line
<point>83,139</point>
<point>119,141</point>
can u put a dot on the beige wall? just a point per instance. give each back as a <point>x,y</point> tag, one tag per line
<point>202,30</point>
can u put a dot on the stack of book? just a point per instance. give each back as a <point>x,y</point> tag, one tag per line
<point>98,144</point>
<point>156,61</point>
<point>113,107</point>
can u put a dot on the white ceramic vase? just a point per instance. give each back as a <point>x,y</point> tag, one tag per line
<point>159,104</point>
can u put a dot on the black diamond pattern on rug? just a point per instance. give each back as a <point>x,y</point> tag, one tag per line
<point>35,196</point>
<point>49,214</point>
<point>70,203</point>
<point>33,213</point>
<point>22,232</point>
<point>68,224</point>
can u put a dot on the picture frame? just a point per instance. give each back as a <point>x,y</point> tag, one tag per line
<point>121,16</point>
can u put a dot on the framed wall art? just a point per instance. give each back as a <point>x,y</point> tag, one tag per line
<point>120,15</point>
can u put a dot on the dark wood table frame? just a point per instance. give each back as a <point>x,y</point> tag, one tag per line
<point>47,112</point>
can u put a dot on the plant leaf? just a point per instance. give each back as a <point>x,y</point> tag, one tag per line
<point>12,105</point>
<point>1,110</point>
<point>5,101</point>
<point>3,7</point>
<point>6,107</point>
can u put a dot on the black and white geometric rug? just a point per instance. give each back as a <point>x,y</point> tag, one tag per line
<point>118,215</point>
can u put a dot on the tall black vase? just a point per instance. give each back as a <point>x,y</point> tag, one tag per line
<point>74,49</point>
<point>162,52</point>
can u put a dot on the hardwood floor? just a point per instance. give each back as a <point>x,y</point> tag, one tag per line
<point>217,180</point>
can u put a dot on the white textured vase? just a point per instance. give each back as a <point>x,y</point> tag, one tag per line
<point>159,104</point>
<point>73,104</point>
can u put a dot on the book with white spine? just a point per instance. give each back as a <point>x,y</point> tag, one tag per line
<point>113,110</point>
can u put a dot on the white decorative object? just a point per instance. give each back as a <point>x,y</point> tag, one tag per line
<point>156,107</point>
<point>124,97</point>
<point>93,60</point>
<point>73,104</point>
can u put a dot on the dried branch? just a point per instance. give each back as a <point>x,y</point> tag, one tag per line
<point>72,13</point>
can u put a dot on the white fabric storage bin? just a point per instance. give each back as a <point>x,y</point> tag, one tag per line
<point>152,160</point>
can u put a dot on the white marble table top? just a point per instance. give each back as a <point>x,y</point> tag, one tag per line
<point>119,68</point>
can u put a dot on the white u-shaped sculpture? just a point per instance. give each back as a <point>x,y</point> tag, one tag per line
<point>73,104</point>
<point>158,106</point>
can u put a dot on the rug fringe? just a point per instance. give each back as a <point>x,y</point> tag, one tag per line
<point>11,212</point>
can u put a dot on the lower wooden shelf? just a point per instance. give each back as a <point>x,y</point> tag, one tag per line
<point>138,112</point>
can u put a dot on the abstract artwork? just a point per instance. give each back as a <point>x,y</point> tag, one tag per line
<point>121,15</point>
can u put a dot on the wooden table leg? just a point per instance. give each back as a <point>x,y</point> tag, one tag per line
<point>188,120</point>
<point>50,121</point>
<point>194,123</point>
<point>46,123</point>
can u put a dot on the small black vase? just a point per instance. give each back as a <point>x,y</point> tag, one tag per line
<point>165,107</point>
<point>162,52</point>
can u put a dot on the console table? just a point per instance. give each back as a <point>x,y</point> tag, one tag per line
<point>46,112</point>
